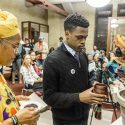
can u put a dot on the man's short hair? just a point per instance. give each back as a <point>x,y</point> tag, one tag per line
<point>74,20</point>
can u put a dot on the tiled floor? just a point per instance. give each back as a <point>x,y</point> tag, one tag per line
<point>46,118</point>
<point>106,118</point>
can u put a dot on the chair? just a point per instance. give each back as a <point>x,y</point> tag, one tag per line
<point>27,91</point>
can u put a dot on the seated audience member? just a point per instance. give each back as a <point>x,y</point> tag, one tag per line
<point>9,105</point>
<point>96,59</point>
<point>38,61</point>
<point>112,64</point>
<point>92,69</point>
<point>34,63</point>
<point>31,79</point>
<point>45,50</point>
<point>107,76</point>
<point>103,56</point>
<point>95,50</point>
<point>92,65</point>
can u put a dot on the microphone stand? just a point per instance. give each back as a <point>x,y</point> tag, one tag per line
<point>99,79</point>
<point>107,81</point>
<point>110,95</point>
<point>98,112</point>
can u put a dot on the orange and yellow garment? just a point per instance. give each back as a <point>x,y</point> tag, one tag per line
<point>8,103</point>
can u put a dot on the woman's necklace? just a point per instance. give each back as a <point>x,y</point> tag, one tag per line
<point>10,97</point>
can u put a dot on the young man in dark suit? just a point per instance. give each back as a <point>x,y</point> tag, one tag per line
<point>65,77</point>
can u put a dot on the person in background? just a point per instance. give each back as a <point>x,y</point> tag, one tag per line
<point>17,64</point>
<point>30,77</point>
<point>95,50</point>
<point>97,60</point>
<point>103,56</point>
<point>65,76</point>
<point>38,62</point>
<point>38,47</point>
<point>107,76</point>
<point>34,64</point>
<point>45,50</point>
<point>60,41</point>
<point>92,65</point>
<point>51,50</point>
<point>41,47</point>
<point>27,47</point>
<point>112,64</point>
<point>9,105</point>
<point>91,69</point>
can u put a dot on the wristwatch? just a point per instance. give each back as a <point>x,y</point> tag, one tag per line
<point>14,119</point>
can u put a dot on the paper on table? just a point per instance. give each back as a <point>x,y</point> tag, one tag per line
<point>34,98</point>
<point>118,121</point>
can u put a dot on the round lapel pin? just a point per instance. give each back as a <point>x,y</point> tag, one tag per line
<point>73,71</point>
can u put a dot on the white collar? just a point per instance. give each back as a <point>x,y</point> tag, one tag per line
<point>72,51</point>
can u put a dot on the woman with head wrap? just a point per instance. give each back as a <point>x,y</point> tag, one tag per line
<point>9,107</point>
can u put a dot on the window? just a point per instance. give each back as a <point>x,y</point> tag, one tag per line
<point>32,30</point>
<point>121,10</point>
<point>101,24</point>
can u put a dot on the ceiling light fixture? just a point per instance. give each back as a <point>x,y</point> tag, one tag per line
<point>114,25</point>
<point>97,3</point>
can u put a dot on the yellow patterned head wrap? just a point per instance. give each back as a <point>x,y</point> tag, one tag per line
<point>8,24</point>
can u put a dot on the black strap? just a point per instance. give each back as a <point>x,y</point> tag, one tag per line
<point>14,119</point>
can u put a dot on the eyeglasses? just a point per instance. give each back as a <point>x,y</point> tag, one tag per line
<point>12,44</point>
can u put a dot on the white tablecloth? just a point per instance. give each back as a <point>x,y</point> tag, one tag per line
<point>118,121</point>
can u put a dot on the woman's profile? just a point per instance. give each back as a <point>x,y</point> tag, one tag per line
<point>9,106</point>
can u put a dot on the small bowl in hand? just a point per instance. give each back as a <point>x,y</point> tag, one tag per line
<point>99,91</point>
<point>100,88</point>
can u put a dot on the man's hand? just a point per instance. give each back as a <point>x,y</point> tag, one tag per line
<point>89,97</point>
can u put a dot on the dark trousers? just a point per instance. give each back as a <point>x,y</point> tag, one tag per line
<point>79,123</point>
